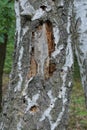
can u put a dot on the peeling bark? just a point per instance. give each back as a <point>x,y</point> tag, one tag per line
<point>41,78</point>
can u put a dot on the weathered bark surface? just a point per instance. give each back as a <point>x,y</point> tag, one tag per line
<point>41,78</point>
<point>80,8</point>
<point>2,60</point>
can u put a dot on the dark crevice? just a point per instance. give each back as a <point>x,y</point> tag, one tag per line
<point>43,7</point>
<point>34,108</point>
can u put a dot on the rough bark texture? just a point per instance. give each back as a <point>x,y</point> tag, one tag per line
<point>80,41</point>
<point>2,60</point>
<point>41,78</point>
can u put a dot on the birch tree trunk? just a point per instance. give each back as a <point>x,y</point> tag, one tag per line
<point>41,78</point>
<point>80,8</point>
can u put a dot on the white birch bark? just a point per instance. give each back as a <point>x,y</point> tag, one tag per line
<point>80,8</point>
<point>41,79</point>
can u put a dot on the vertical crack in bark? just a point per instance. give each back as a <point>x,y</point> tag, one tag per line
<point>42,48</point>
<point>49,66</point>
<point>33,66</point>
<point>50,38</point>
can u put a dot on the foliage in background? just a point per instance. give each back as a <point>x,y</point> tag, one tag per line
<point>7,26</point>
<point>7,19</point>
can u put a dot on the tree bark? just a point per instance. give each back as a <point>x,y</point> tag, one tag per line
<point>2,60</point>
<point>41,78</point>
<point>80,8</point>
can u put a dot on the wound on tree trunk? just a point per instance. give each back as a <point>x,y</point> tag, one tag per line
<point>42,47</point>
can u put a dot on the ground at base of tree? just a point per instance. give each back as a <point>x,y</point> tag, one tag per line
<point>78,111</point>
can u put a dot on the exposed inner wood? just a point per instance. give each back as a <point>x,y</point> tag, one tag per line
<point>49,66</point>
<point>33,65</point>
<point>34,109</point>
<point>50,37</point>
<point>42,49</point>
<point>52,68</point>
<point>33,68</point>
<point>46,69</point>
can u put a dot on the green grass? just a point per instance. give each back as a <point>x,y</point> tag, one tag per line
<point>78,111</point>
